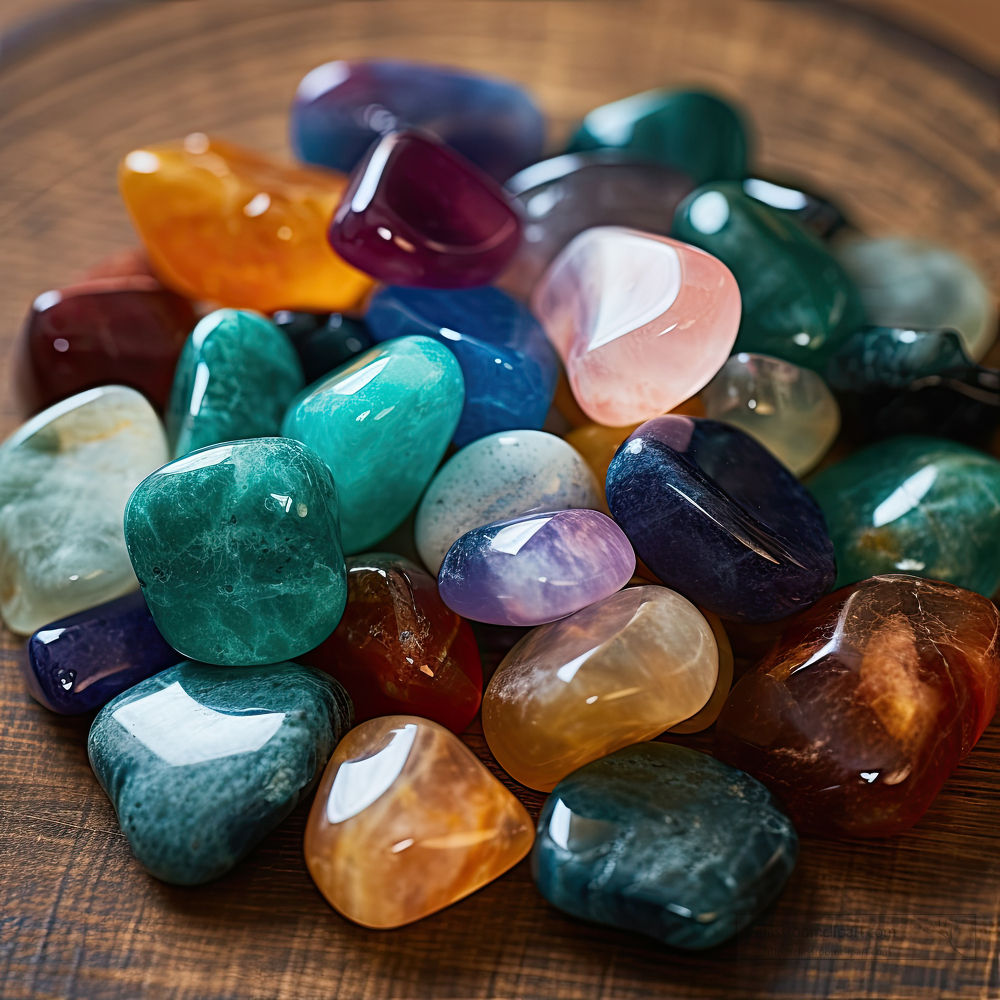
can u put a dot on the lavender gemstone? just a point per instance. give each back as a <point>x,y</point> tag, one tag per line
<point>535,568</point>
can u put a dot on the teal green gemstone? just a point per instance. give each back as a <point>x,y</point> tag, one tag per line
<point>382,423</point>
<point>202,762</point>
<point>690,131</point>
<point>235,378</point>
<point>798,302</point>
<point>918,505</point>
<point>237,550</point>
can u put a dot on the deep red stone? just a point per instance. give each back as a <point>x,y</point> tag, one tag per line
<point>417,213</point>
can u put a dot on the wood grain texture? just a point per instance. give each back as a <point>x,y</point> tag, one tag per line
<point>905,136</point>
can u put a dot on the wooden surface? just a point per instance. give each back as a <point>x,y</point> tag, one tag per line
<point>905,136</point>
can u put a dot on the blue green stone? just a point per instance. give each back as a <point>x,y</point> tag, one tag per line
<point>918,505</point>
<point>381,423</point>
<point>235,378</point>
<point>666,841</point>
<point>237,550</point>
<point>201,763</point>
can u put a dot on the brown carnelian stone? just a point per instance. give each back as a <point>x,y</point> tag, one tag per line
<point>867,703</point>
<point>399,648</point>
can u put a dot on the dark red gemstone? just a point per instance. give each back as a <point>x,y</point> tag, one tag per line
<point>417,213</point>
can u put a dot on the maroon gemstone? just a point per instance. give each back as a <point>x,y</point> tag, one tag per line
<point>108,331</point>
<point>417,213</point>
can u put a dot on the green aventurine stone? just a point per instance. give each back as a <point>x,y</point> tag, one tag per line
<point>382,423</point>
<point>690,131</point>
<point>235,378</point>
<point>923,506</point>
<point>237,550</point>
<point>798,302</point>
<point>202,762</point>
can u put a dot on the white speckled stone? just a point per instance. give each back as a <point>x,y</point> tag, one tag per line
<point>498,477</point>
<point>65,477</point>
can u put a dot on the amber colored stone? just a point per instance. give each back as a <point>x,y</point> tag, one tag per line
<point>399,648</point>
<point>867,703</point>
<point>229,225</point>
<point>408,821</point>
<point>707,715</point>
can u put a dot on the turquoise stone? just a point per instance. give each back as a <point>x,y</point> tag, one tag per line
<point>235,378</point>
<point>237,551</point>
<point>666,841</point>
<point>201,763</point>
<point>918,505</point>
<point>381,423</point>
<point>693,132</point>
<point>798,302</point>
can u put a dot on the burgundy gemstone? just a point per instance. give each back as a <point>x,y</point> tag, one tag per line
<point>417,213</point>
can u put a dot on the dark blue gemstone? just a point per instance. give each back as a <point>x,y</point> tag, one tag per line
<point>323,341</point>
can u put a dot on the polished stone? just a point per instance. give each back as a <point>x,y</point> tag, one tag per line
<point>381,423</point>
<point>237,550</point>
<point>201,763</point>
<point>323,341</point>
<point>665,841</point>
<point>709,712</point>
<point>866,704</point>
<point>618,672</point>
<point>811,211</point>
<point>407,821</point>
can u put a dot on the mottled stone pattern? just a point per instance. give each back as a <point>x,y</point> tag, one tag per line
<point>201,762</point>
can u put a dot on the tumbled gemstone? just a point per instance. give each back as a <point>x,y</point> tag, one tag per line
<point>618,672</point>
<point>341,108</point>
<point>496,478</point>
<point>693,132</point>
<point>407,821</point>
<point>399,648</point>
<point>786,408</point>
<point>916,505</point>
<point>798,303</point>
<point>641,322</point>
<point>417,213</point>
<point>231,226</point>
<point>381,423</point>
<point>815,213</point>
<point>709,712</point>
<point>201,763</point>
<point>237,550</point>
<point>508,365</point>
<point>866,704</point>
<point>323,341</point>
<point>714,515</point>
<point>65,477</point>
<point>121,331</point>
<point>535,568</point>
<point>699,849</point>
<point>235,378</point>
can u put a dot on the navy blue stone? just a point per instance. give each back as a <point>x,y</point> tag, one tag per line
<point>509,366</point>
<point>720,520</point>
<point>323,341</point>
<point>665,841</point>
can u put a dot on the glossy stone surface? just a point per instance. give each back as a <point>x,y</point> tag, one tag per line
<point>709,712</point>
<point>201,763</point>
<point>786,408</point>
<point>535,568</point>
<point>342,107</point>
<point>323,341</point>
<point>866,704</point>
<point>119,331</point>
<point>641,322</point>
<point>811,211</point>
<point>399,648</point>
<point>508,366</point>
<point>65,477</point>
<point>497,478</point>
<point>229,225</point>
<point>407,821</point>
<point>916,505</point>
<point>691,131</point>
<point>618,672</point>
<point>798,303</point>
<point>381,423</point>
<point>237,550</point>
<point>699,849</point>
<point>417,213</point>
<point>714,515</point>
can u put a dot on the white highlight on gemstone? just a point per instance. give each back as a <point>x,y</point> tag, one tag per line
<point>257,205</point>
<point>559,824</point>
<point>199,460</point>
<point>196,142</point>
<point>321,79</point>
<point>47,300</point>
<point>201,377</point>
<point>373,173</point>
<point>775,195</point>
<point>450,334</point>
<point>910,565</point>
<point>356,382</point>
<point>907,336</point>
<point>512,538</point>
<point>568,670</point>
<point>206,326</point>
<point>142,161</point>
<point>905,497</point>
<point>61,344</point>
<point>709,212</point>
<point>612,124</point>
<point>359,783</point>
<point>802,339</point>
<point>49,635</point>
